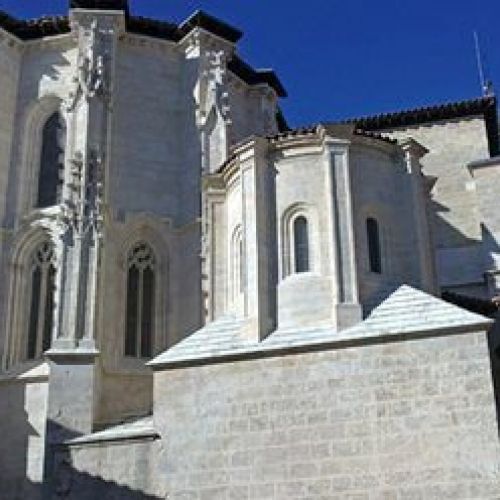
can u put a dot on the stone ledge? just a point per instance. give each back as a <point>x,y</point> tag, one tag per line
<point>140,430</point>
<point>407,313</point>
<point>34,371</point>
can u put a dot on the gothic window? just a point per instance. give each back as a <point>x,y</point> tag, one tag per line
<point>42,281</point>
<point>141,294</point>
<point>51,161</point>
<point>301,244</point>
<point>374,249</point>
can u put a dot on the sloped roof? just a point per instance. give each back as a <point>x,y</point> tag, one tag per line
<point>407,312</point>
<point>484,106</point>
<point>140,429</point>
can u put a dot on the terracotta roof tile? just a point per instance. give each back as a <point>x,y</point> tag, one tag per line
<point>485,106</point>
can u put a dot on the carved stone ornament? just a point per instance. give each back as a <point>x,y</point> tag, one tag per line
<point>212,93</point>
<point>93,61</point>
<point>82,208</point>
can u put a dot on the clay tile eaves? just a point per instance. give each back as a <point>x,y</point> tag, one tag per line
<point>484,106</point>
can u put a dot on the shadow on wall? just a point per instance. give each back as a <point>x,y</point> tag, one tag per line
<point>494,345</point>
<point>80,486</point>
<point>64,481</point>
<point>22,445</point>
<point>72,484</point>
<point>20,435</point>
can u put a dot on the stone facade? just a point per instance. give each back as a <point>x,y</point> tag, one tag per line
<point>403,420</point>
<point>259,290</point>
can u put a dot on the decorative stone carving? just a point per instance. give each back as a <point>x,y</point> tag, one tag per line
<point>93,61</point>
<point>212,92</point>
<point>82,209</point>
<point>213,111</point>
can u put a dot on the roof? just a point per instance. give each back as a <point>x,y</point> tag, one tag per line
<point>484,106</point>
<point>50,26</point>
<point>201,19</point>
<point>99,4</point>
<point>34,28</point>
<point>406,313</point>
<point>410,310</point>
<point>254,77</point>
<point>339,130</point>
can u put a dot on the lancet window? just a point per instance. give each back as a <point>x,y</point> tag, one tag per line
<point>141,292</point>
<point>51,161</point>
<point>374,247</point>
<point>42,280</point>
<point>237,264</point>
<point>301,244</point>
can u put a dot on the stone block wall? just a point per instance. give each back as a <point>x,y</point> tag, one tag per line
<point>413,419</point>
<point>23,410</point>
<point>10,57</point>
<point>452,145</point>
<point>120,469</point>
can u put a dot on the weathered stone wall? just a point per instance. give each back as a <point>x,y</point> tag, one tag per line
<point>452,145</point>
<point>382,190</point>
<point>404,420</point>
<point>23,411</point>
<point>10,58</point>
<point>120,469</point>
<point>487,187</point>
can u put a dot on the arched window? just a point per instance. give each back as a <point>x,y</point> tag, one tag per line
<point>51,161</point>
<point>141,294</point>
<point>42,279</point>
<point>374,250</point>
<point>237,264</point>
<point>301,244</point>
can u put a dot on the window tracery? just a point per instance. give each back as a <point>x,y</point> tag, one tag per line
<point>42,281</point>
<point>141,278</point>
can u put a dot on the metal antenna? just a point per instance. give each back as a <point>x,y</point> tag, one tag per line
<point>486,85</point>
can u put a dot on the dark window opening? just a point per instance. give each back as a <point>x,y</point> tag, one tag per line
<point>51,161</point>
<point>139,321</point>
<point>301,244</point>
<point>374,250</point>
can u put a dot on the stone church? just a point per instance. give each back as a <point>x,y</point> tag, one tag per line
<point>198,302</point>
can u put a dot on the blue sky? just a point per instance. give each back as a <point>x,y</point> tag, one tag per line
<point>339,59</point>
